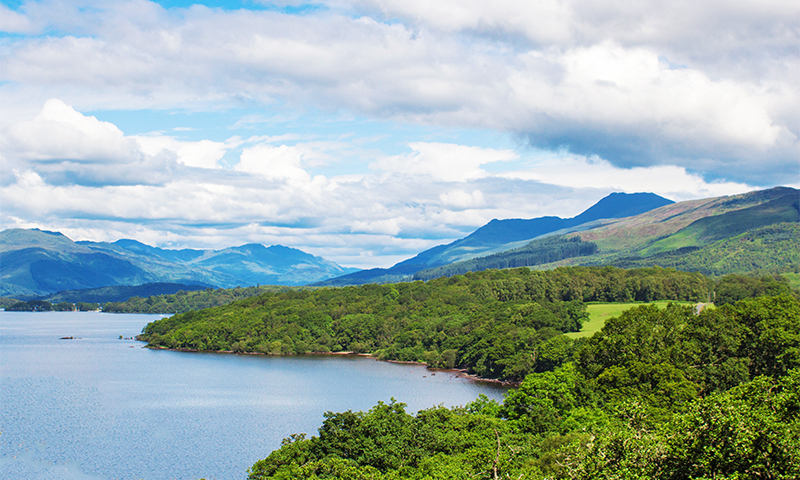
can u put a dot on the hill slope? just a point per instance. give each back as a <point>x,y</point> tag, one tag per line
<point>501,235</point>
<point>756,232</point>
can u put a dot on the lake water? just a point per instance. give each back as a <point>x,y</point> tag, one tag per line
<point>98,407</point>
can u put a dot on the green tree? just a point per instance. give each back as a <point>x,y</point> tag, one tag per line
<point>750,431</point>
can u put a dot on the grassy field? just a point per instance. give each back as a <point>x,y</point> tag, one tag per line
<point>794,280</point>
<point>600,312</point>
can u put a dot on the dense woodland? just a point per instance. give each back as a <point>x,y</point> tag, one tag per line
<point>118,293</point>
<point>499,324</point>
<point>656,394</point>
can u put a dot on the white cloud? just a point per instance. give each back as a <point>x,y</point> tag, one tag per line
<point>65,146</point>
<point>461,200</point>
<point>543,21</point>
<point>200,154</point>
<point>389,226</point>
<point>644,84</point>
<point>433,195</point>
<point>443,161</point>
<point>669,181</point>
<point>276,163</point>
<point>13,22</point>
<point>630,87</point>
<point>61,133</point>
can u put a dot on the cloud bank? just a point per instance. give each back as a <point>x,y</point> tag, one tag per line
<point>685,100</point>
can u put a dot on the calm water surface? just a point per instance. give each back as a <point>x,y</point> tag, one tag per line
<point>99,407</point>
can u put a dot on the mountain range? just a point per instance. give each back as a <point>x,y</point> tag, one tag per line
<point>37,262</point>
<point>755,232</point>
<point>502,235</point>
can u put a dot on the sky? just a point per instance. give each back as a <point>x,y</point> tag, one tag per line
<point>367,131</point>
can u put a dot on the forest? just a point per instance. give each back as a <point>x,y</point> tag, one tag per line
<point>656,394</point>
<point>500,324</point>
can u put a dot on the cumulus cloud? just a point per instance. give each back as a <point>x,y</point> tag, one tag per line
<point>630,93</point>
<point>436,193</point>
<point>64,146</point>
<point>389,226</point>
<point>460,200</point>
<point>61,133</point>
<point>200,154</point>
<point>668,180</point>
<point>647,84</point>
<point>277,163</point>
<point>14,22</point>
<point>447,162</point>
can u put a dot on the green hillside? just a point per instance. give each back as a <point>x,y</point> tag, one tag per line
<point>188,300</point>
<point>537,252</point>
<point>770,249</point>
<point>634,234</point>
<point>714,228</point>
<point>498,236</point>
<point>753,233</point>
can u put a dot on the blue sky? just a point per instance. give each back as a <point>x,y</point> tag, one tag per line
<point>366,131</point>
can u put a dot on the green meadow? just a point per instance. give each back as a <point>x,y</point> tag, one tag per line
<point>600,312</point>
<point>793,279</point>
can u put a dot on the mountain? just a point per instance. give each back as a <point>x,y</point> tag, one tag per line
<point>615,205</point>
<point>501,235</point>
<point>37,262</point>
<point>756,232</point>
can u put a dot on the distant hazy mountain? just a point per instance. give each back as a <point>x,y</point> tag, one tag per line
<point>756,232</point>
<point>501,235</point>
<point>36,262</point>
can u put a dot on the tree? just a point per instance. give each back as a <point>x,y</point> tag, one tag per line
<point>750,431</point>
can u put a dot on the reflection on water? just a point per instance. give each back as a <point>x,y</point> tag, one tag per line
<point>95,408</point>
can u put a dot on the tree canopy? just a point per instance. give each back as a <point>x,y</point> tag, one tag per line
<point>656,394</point>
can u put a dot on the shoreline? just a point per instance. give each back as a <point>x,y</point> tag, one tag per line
<point>458,372</point>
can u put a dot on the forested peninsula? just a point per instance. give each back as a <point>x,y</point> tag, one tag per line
<point>499,324</point>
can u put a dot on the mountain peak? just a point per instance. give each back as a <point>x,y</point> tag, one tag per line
<point>621,205</point>
<point>502,234</point>
<point>18,237</point>
<point>48,232</point>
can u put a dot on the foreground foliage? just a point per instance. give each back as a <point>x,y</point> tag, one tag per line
<point>656,394</point>
<point>497,324</point>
